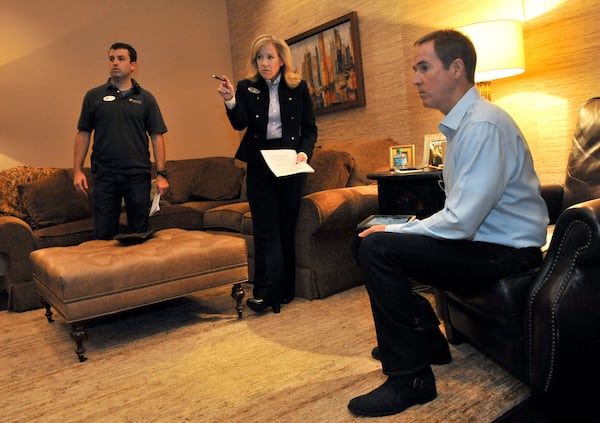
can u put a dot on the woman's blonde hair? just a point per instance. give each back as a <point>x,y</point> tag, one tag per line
<point>291,76</point>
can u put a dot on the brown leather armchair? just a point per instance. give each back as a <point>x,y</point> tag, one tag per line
<point>544,326</point>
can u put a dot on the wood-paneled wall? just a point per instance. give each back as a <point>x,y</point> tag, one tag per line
<point>562,47</point>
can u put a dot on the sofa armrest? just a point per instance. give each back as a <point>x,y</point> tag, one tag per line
<point>336,208</point>
<point>553,196</point>
<point>563,317</point>
<point>326,224</point>
<point>16,241</point>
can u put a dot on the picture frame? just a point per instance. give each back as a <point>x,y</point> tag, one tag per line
<point>410,155</point>
<point>437,143</point>
<point>329,58</point>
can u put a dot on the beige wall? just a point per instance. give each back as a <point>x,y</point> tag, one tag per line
<point>562,43</point>
<point>54,51</point>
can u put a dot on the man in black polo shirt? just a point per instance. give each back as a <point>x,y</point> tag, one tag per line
<point>123,117</point>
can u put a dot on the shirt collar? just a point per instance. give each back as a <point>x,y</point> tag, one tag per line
<point>275,82</point>
<point>135,87</point>
<point>452,120</point>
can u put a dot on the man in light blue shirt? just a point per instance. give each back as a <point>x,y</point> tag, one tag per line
<point>492,225</point>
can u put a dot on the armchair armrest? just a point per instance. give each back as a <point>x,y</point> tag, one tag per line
<point>563,317</point>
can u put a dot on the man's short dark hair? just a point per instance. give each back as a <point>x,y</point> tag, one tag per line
<point>449,45</point>
<point>132,52</point>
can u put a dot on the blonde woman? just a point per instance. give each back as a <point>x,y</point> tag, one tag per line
<point>274,107</point>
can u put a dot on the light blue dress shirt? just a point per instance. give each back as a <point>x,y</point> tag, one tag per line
<point>492,190</point>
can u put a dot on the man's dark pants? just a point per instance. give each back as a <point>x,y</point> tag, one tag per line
<point>109,190</point>
<point>407,328</point>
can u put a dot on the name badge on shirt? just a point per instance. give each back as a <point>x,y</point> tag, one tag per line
<point>109,98</point>
<point>254,90</point>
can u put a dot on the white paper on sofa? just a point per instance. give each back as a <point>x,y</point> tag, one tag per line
<point>282,162</point>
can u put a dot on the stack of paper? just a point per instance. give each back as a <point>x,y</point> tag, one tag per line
<point>283,162</point>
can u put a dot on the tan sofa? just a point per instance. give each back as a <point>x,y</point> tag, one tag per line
<point>39,208</point>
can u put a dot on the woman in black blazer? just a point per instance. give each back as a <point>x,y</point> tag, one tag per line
<point>274,106</point>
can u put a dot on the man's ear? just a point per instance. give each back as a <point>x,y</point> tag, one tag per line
<point>458,67</point>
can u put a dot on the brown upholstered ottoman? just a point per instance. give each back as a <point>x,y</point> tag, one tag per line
<point>98,278</point>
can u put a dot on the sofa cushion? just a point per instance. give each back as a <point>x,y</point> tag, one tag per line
<point>228,217</point>
<point>53,200</point>
<point>332,170</point>
<point>218,179</point>
<point>10,179</point>
<point>70,233</point>
<point>207,178</point>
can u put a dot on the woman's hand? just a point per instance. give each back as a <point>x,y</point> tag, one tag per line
<point>226,89</point>
<point>301,157</point>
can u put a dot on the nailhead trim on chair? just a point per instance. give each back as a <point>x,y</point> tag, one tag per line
<point>562,287</point>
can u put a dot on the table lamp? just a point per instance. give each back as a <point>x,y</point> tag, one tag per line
<point>500,51</point>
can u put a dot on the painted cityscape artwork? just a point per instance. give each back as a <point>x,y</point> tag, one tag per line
<point>330,61</point>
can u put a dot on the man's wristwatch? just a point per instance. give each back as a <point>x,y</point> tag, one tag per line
<point>162,173</point>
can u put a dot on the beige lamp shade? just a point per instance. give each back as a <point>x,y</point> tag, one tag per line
<point>499,47</point>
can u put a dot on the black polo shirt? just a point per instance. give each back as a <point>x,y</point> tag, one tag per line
<point>121,123</point>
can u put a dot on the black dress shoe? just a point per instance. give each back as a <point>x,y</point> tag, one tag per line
<point>259,305</point>
<point>396,395</point>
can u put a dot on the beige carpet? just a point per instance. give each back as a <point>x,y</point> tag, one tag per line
<point>192,360</point>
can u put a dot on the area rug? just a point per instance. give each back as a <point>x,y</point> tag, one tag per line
<point>192,360</point>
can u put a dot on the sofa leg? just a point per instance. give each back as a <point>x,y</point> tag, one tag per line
<point>237,293</point>
<point>79,335</point>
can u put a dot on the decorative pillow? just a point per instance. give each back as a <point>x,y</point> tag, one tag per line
<point>10,179</point>
<point>332,170</point>
<point>53,200</point>
<point>218,178</point>
<point>182,173</point>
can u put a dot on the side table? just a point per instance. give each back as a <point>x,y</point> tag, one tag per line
<point>417,193</point>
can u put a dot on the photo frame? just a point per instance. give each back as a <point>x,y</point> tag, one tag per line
<point>409,149</point>
<point>330,61</point>
<point>434,143</point>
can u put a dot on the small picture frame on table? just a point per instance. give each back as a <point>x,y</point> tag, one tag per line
<point>434,150</point>
<point>409,150</point>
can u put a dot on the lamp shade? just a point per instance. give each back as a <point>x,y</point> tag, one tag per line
<point>499,47</point>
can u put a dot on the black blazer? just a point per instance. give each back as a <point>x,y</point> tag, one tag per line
<point>299,130</point>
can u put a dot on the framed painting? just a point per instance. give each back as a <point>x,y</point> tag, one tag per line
<point>330,61</point>
<point>408,153</point>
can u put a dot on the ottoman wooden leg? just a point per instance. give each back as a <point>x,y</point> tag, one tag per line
<point>237,292</point>
<point>48,313</point>
<point>79,335</point>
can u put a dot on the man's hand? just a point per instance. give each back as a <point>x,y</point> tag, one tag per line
<point>80,181</point>
<point>370,230</point>
<point>162,185</point>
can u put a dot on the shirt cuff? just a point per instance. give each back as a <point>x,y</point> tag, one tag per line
<point>230,104</point>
